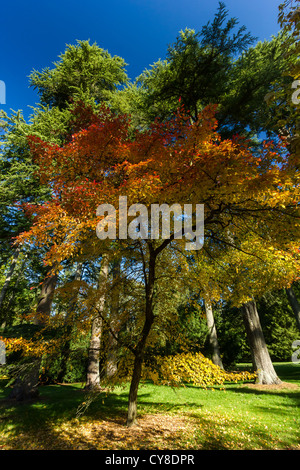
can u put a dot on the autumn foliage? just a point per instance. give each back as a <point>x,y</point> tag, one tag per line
<point>175,161</point>
<point>195,369</point>
<point>250,198</point>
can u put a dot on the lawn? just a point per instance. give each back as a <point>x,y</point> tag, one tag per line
<point>241,416</point>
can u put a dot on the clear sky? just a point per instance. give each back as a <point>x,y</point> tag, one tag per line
<point>34,33</point>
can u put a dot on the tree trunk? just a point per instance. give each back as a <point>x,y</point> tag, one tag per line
<point>112,349</point>
<point>9,274</point>
<point>43,309</point>
<point>133,392</point>
<point>213,338</point>
<point>93,370</point>
<point>68,327</point>
<point>26,385</point>
<point>294,304</point>
<point>140,348</point>
<point>137,368</point>
<point>260,355</point>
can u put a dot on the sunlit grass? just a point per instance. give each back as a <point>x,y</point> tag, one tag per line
<point>238,417</point>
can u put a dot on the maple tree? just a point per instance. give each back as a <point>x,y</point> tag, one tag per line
<point>173,162</point>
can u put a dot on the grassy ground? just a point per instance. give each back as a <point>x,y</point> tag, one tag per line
<point>239,417</point>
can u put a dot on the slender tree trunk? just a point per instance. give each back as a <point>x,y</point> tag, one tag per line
<point>213,338</point>
<point>140,348</point>
<point>112,349</point>
<point>68,327</point>
<point>134,386</point>
<point>26,385</point>
<point>294,304</point>
<point>43,309</point>
<point>259,351</point>
<point>93,371</point>
<point>9,274</point>
<point>137,369</point>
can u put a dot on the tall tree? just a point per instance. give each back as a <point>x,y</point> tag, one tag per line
<point>218,65</point>
<point>294,304</point>
<point>26,385</point>
<point>93,371</point>
<point>285,97</point>
<point>213,337</point>
<point>112,343</point>
<point>244,272</point>
<point>260,354</point>
<point>175,161</point>
<point>83,70</point>
<point>69,322</point>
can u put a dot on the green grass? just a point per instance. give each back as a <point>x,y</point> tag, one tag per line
<point>235,418</point>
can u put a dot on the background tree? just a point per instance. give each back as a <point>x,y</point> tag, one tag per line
<point>287,112</point>
<point>84,71</point>
<point>217,65</point>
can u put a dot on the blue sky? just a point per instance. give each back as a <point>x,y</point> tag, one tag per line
<point>33,33</point>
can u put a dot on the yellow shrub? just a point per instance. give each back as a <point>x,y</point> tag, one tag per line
<point>192,368</point>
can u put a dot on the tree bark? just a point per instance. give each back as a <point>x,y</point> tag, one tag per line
<point>140,348</point>
<point>294,304</point>
<point>26,385</point>
<point>112,349</point>
<point>93,370</point>
<point>260,355</point>
<point>43,309</point>
<point>68,327</point>
<point>137,369</point>
<point>213,338</point>
<point>133,392</point>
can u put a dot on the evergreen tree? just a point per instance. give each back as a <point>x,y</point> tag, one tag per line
<point>217,65</point>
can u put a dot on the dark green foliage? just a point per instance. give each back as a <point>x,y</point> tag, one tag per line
<point>213,66</point>
<point>83,70</point>
<point>75,367</point>
<point>231,335</point>
<point>279,325</point>
<point>19,180</point>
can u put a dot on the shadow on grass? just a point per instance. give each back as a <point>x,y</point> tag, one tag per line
<point>39,421</point>
<point>50,423</point>
<point>289,372</point>
<point>58,402</point>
